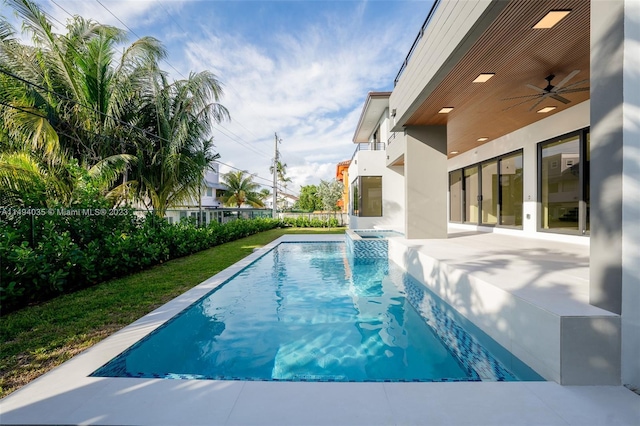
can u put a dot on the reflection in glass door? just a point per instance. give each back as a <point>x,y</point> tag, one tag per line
<point>511,190</point>
<point>489,193</point>
<point>560,184</point>
<point>455,196</point>
<point>471,206</point>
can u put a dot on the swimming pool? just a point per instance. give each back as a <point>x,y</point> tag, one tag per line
<point>311,312</point>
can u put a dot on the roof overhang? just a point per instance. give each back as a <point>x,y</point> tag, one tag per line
<point>518,55</point>
<point>374,107</point>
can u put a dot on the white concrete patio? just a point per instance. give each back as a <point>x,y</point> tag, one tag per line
<point>67,395</point>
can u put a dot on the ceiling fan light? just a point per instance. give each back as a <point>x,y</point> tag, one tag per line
<point>445,110</point>
<point>546,109</point>
<point>484,77</point>
<point>551,19</point>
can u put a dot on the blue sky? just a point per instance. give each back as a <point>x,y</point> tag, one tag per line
<point>298,68</point>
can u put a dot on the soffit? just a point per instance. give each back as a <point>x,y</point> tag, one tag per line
<point>373,109</point>
<point>518,55</point>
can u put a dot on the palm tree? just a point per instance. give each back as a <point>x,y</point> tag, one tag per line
<point>70,96</point>
<point>264,195</point>
<point>170,167</point>
<point>281,171</point>
<point>241,189</point>
<point>80,85</point>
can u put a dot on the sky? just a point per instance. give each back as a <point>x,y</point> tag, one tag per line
<point>301,69</point>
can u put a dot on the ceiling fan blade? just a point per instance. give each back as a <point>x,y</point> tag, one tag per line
<point>536,104</point>
<point>536,88</point>
<point>575,84</point>
<point>560,98</point>
<point>515,105</point>
<point>581,89</point>
<point>565,80</point>
<point>521,97</point>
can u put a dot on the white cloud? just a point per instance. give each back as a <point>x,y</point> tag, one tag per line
<point>308,86</point>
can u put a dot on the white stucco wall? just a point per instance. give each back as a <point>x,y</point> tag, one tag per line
<point>527,138</point>
<point>373,163</point>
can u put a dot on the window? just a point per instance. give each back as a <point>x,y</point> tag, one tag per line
<point>355,198</point>
<point>209,192</point>
<point>489,193</point>
<point>563,191</point>
<point>367,196</point>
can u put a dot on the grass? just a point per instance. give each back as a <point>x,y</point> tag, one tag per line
<point>38,338</point>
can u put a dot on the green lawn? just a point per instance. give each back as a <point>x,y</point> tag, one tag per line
<point>36,339</point>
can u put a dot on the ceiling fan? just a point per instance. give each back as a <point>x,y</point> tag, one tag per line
<point>551,91</point>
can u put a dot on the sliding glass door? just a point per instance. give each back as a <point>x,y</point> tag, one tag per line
<point>563,183</point>
<point>489,193</point>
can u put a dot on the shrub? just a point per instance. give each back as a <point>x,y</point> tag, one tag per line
<point>46,255</point>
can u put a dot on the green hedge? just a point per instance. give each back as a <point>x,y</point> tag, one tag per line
<point>47,254</point>
<point>305,222</point>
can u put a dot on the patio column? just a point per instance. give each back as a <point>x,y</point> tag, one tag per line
<point>425,180</point>
<point>615,171</point>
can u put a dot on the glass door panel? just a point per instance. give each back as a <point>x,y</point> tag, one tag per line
<point>471,207</point>
<point>587,182</point>
<point>511,190</point>
<point>560,184</point>
<point>455,196</point>
<point>489,195</point>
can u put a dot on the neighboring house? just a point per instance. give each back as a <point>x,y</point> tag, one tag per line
<point>376,186</point>
<point>519,118</point>
<point>285,201</point>
<point>342,175</point>
<point>207,205</point>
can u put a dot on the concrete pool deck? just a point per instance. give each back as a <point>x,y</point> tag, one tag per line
<point>67,395</point>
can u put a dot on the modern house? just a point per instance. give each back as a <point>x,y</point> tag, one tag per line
<point>521,118</point>
<point>285,201</point>
<point>342,175</point>
<point>207,204</point>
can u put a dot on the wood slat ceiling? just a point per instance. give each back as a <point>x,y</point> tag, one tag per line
<point>518,55</point>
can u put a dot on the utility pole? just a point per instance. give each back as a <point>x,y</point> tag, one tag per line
<point>275,179</point>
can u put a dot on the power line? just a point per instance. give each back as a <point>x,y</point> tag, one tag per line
<point>63,9</point>
<point>237,138</point>
<point>240,142</point>
<point>170,15</point>
<point>246,145</point>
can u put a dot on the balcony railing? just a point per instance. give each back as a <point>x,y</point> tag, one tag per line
<point>369,146</point>
<point>415,42</point>
<point>392,138</point>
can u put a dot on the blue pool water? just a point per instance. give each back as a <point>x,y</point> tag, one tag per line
<point>310,312</point>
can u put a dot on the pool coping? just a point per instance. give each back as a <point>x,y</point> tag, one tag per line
<point>68,395</point>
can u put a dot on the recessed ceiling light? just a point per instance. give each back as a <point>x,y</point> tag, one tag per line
<point>445,110</point>
<point>482,139</point>
<point>546,109</point>
<point>484,77</point>
<point>453,152</point>
<point>551,19</point>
